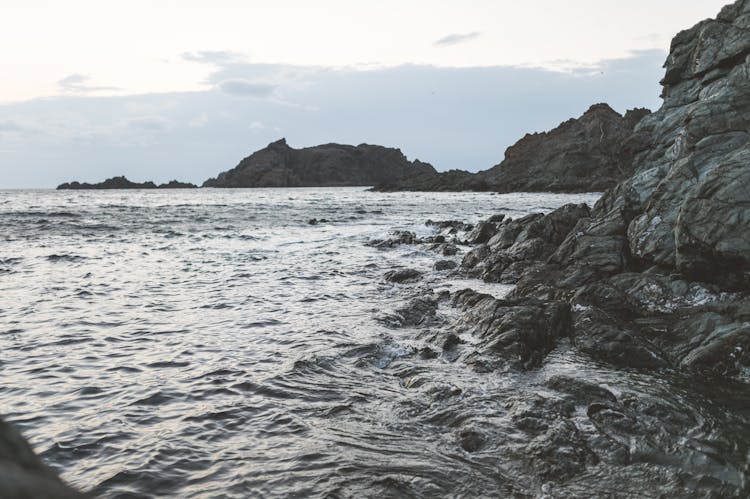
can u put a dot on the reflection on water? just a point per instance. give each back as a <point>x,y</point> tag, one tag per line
<point>213,343</point>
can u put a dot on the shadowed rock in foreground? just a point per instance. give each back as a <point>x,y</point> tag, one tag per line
<point>124,183</point>
<point>588,154</point>
<point>328,165</point>
<point>23,475</point>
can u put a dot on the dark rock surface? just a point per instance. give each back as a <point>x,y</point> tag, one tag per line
<point>328,165</point>
<point>657,274</point>
<point>404,275</point>
<point>590,153</point>
<point>22,473</point>
<point>124,183</point>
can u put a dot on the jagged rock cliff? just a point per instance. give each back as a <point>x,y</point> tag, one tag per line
<point>328,165</point>
<point>590,153</point>
<point>124,183</point>
<point>658,274</point>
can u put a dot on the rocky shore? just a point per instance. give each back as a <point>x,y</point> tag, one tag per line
<point>124,183</point>
<point>654,278</point>
<point>657,273</point>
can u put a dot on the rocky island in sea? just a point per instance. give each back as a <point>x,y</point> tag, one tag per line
<point>327,165</point>
<point>650,285</point>
<point>123,183</point>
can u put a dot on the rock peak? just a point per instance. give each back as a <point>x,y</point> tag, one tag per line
<point>279,143</point>
<point>601,107</point>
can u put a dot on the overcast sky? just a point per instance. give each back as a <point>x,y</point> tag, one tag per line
<point>185,89</point>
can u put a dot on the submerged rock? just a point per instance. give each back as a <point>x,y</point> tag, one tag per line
<point>402,276</point>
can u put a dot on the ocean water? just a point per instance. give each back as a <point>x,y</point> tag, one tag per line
<point>213,343</point>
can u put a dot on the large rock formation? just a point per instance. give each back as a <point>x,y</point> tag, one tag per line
<point>591,153</point>
<point>328,165</point>
<point>658,274</point>
<point>124,183</point>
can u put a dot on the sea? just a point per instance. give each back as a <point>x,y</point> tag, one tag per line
<point>215,343</point>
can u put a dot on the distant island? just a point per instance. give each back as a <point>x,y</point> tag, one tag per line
<point>124,183</point>
<point>327,165</point>
<point>591,153</point>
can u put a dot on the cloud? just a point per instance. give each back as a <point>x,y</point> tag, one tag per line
<point>150,123</point>
<point>246,88</point>
<point>215,57</point>
<point>10,126</point>
<point>456,38</point>
<point>76,84</point>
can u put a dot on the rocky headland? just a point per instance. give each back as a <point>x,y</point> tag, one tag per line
<point>327,165</point>
<point>124,183</point>
<point>587,154</point>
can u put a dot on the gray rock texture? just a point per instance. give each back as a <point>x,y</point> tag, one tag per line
<point>658,273</point>
<point>328,165</point>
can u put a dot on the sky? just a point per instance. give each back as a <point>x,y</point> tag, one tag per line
<point>165,89</point>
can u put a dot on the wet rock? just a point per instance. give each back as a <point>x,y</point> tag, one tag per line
<point>427,353</point>
<point>618,342</point>
<point>403,276</point>
<point>482,233</point>
<point>418,311</point>
<point>519,332</point>
<point>22,473</point>
<point>448,249</point>
<point>453,226</point>
<point>471,440</point>
<point>445,265</point>
<point>517,244</point>
<point>397,237</point>
<point>560,452</point>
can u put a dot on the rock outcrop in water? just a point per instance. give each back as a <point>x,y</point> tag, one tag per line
<point>23,475</point>
<point>591,153</point>
<point>124,183</point>
<point>328,165</point>
<point>658,273</point>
